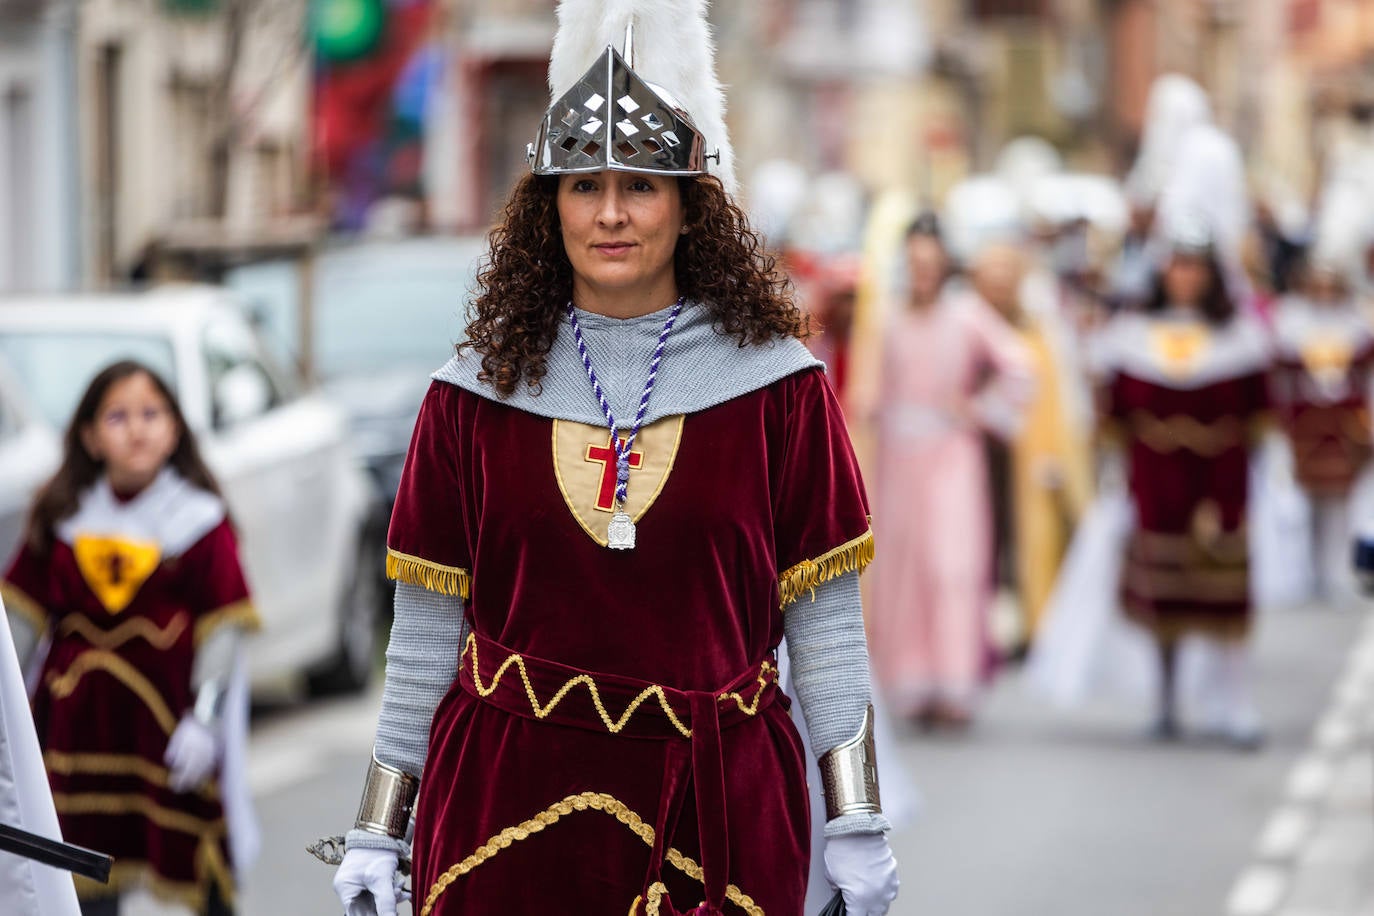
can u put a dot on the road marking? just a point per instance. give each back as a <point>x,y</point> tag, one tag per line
<point>1258,892</point>
<point>1308,830</point>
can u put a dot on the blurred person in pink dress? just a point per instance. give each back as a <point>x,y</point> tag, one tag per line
<point>952,369</point>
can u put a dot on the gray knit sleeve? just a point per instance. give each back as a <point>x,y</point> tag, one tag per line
<point>427,637</point>
<point>828,653</point>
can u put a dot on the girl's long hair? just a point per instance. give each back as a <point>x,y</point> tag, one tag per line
<point>527,278</point>
<point>1217,306</point>
<point>60,497</point>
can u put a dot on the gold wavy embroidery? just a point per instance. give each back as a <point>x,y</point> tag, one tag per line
<point>115,765</point>
<point>542,711</point>
<point>446,580</point>
<point>120,803</point>
<point>752,709</point>
<point>17,600</point>
<point>62,685</point>
<point>242,613</point>
<point>162,638</point>
<point>852,556</point>
<point>1169,435</point>
<point>586,801</point>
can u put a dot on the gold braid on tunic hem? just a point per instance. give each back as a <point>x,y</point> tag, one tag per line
<point>586,801</point>
<point>453,581</point>
<point>160,638</point>
<point>806,576</point>
<point>128,874</point>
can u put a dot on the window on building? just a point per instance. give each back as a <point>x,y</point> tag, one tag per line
<point>19,159</point>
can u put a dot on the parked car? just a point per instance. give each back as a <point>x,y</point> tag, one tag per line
<point>295,491</point>
<point>386,314</point>
<point>29,450</point>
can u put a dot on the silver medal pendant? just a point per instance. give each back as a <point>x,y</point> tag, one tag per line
<point>620,535</point>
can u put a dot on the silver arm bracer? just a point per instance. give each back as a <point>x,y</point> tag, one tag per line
<point>849,774</point>
<point>388,798</point>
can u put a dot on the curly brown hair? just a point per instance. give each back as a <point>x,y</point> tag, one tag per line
<point>526,279</point>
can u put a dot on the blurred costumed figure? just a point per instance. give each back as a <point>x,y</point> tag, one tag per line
<point>130,568</point>
<point>1183,391</point>
<point>1324,357</point>
<point>1051,480</point>
<point>951,369</point>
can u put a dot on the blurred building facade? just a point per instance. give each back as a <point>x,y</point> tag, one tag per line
<point>196,132</point>
<point>40,238</point>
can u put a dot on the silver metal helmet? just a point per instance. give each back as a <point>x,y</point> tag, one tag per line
<point>613,119</point>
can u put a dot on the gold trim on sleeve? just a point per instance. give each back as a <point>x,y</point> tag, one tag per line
<point>852,556</point>
<point>62,685</point>
<point>161,638</point>
<point>445,580</point>
<point>586,801</point>
<point>17,600</point>
<point>241,613</point>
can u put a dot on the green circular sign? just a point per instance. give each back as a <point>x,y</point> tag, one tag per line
<point>346,29</point>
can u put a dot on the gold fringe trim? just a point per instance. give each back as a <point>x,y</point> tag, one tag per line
<point>116,804</point>
<point>115,765</point>
<point>852,556</point>
<point>17,600</point>
<point>62,685</point>
<point>161,638</point>
<point>240,613</point>
<point>614,726</point>
<point>445,580</point>
<point>128,874</point>
<point>586,801</point>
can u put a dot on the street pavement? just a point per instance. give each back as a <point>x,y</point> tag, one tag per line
<point>1035,811</point>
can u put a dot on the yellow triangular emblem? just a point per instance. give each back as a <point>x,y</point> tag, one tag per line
<point>1179,347</point>
<point>1327,359</point>
<point>585,463</point>
<point>115,568</point>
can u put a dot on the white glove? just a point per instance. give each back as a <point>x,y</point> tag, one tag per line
<point>369,883</point>
<point>861,867</point>
<point>192,755</point>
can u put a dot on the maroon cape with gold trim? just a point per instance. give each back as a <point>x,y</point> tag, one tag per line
<point>113,688</point>
<point>741,508</point>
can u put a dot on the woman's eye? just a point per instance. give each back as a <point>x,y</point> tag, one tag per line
<point>641,185</point>
<point>116,417</point>
<point>584,186</point>
<point>151,414</point>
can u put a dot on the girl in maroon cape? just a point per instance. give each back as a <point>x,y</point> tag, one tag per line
<point>129,565</point>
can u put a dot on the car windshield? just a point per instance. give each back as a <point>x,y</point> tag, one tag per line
<point>378,305</point>
<point>54,367</point>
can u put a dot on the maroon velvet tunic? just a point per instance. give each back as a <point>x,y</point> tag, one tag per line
<point>113,688</point>
<point>1330,432</point>
<point>1187,567</point>
<point>547,789</point>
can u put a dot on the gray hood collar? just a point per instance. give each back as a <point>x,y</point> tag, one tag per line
<point>701,368</point>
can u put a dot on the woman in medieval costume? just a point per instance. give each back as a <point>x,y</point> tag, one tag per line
<point>630,481</point>
<point>1324,356</point>
<point>952,369</point>
<point>1184,393</point>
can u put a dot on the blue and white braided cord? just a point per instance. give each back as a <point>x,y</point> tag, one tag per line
<point>622,463</point>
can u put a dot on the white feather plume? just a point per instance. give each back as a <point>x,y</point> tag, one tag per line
<point>673,49</point>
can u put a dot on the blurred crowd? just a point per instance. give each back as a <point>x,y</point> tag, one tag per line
<point>1084,398</point>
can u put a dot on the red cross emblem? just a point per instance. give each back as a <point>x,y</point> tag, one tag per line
<point>606,457</point>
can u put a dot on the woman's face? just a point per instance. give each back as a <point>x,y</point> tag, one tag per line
<point>1187,280</point>
<point>926,265</point>
<point>620,230</point>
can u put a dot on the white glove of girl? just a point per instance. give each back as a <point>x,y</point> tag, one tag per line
<point>369,883</point>
<point>861,867</point>
<point>192,755</point>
